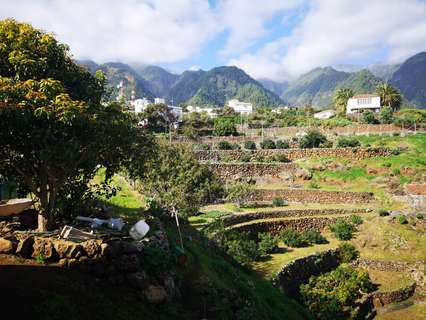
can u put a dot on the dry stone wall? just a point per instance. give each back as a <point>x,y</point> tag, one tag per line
<point>244,217</point>
<point>292,154</point>
<point>250,170</point>
<point>312,196</point>
<point>300,270</point>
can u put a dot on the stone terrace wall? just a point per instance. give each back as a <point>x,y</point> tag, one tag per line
<point>300,270</point>
<point>293,154</point>
<point>276,226</point>
<point>381,265</point>
<point>312,196</point>
<point>416,189</point>
<point>250,170</point>
<point>244,217</point>
<point>381,299</point>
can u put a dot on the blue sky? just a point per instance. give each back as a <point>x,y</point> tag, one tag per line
<point>275,39</point>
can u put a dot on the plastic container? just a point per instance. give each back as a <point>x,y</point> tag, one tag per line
<point>139,230</point>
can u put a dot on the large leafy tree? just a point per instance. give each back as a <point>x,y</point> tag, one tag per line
<point>53,127</point>
<point>389,96</point>
<point>341,98</point>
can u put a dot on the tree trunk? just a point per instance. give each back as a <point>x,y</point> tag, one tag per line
<point>42,221</point>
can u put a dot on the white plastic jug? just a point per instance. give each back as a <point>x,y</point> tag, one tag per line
<point>139,230</point>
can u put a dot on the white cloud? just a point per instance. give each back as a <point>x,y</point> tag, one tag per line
<point>335,31</point>
<point>149,31</point>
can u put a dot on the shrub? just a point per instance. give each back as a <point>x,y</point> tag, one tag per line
<point>259,158</point>
<point>267,144</point>
<point>347,252</point>
<point>314,237</point>
<point>282,144</point>
<point>367,117</point>
<point>313,185</point>
<point>249,145</point>
<point>224,145</point>
<point>326,144</point>
<point>155,258</point>
<point>267,244</point>
<point>313,139</point>
<point>292,238</point>
<point>224,127</point>
<point>420,216</point>
<point>356,220</point>
<point>281,158</point>
<point>278,202</point>
<point>332,295</point>
<point>202,146</point>
<point>239,192</point>
<point>342,230</point>
<point>344,142</point>
<point>402,219</point>
<point>269,158</point>
<point>383,212</point>
<point>243,250</point>
<point>245,157</point>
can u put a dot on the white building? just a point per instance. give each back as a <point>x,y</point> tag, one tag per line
<point>325,114</point>
<point>363,102</point>
<point>212,112</point>
<point>240,107</point>
<point>159,100</point>
<point>140,105</point>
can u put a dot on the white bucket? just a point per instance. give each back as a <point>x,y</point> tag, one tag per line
<point>139,230</point>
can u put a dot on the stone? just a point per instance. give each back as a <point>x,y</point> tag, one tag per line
<point>137,280</point>
<point>6,246</point>
<point>155,294</point>
<point>43,247</point>
<point>92,247</point>
<point>68,249</point>
<point>303,174</point>
<point>72,263</point>
<point>25,247</point>
<point>63,262</point>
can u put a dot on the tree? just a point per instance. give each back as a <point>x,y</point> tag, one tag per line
<point>225,126</point>
<point>176,180</point>
<point>386,115</point>
<point>53,127</point>
<point>389,96</point>
<point>332,295</point>
<point>313,139</point>
<point>239,192</point>
<point>368,117</point>
<point>159,117</point>
<point>341,97</point>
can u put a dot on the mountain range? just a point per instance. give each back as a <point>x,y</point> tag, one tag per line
<point>216,86</point>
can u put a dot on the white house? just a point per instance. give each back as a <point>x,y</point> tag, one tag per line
<point>240,107</point>
<point>140,105</point>
<point>212,112</point>
<point>159,100</point>
<point>363,102</point>
<point>325,114</point>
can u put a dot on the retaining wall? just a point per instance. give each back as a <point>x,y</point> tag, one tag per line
<point>383,298</point>
<point>250,170</point>
<point>292,154</point>
<point>300,270</point>
<point>244,217</point>
<point>312,196</point>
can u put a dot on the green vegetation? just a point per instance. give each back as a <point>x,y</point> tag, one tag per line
<point>293,238</point>
<point>367,117</point>
<point>347,252</point>
<point>313,139</point>
<point>278,202</point>
<point>225,126</point>
<point>342,230</point>
<point>344,142</point>
<point>267,243</point>
<point>249,145</point>
<point>282,144</point>
<point>332,295</point>
<point>239,192</point>
<point>268,144</point>
<point>402,219</point>
<point>225,145</point>
<point>340,99</point>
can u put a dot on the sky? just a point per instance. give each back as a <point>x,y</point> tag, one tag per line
<point>273,39</point>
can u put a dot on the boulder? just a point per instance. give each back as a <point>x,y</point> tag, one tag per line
<point>6,246</point>
<point>43,247</point>
<point>92,247</point>
<point>155,294</point>
<point>25,247</point>
<point>68,249</point>
<point>303,174</point>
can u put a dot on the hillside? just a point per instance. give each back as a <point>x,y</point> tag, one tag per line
<point>220,84</point>
<point>274,86</point>
<point>159,80</point>
<point>363,81</point>
<point>410,78</point>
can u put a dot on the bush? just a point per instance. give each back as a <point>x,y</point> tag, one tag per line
<point>243,250</point>
<point>344,142</point>
<point>332,295</point>
<point>278,202</point>
<point>383,212</point>
<point>313,139</point>
<point>245,157</point>
<point>239,192</point>
<point>402,219</point>
<point>267,144</point>
<point>250,145</point>
<point>282,144</point>
<point>326,144</point>
<point>420,216</point>
<point>356,220</point>
<point>347,252</point>
<point>224,127</point>
<point>314,237</point>
<point>155,258</point>
<point>368,117</point>
<point>225,145</point>
<point>342,230</point>
<point>292,238</point>
<point>267,244</point>
<point>281,158</point>
<point>313,185</point>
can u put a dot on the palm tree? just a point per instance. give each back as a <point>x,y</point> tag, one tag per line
<point>341,97</point>
<point>389,96</point>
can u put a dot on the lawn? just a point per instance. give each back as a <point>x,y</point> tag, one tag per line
<point>389,280</point>
<point>414,312</point>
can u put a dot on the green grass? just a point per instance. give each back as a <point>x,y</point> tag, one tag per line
<point>389,280</point>
<point>414,312</point>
